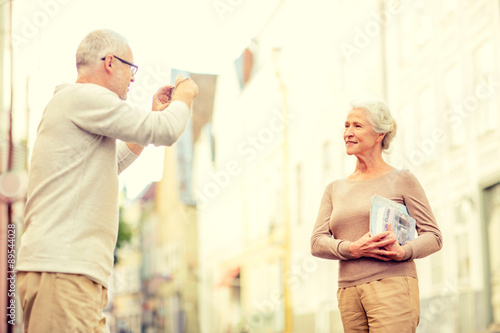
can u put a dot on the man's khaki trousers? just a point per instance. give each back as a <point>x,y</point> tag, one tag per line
<point>57,302</point>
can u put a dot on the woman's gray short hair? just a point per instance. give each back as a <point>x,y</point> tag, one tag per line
<point>379,117</point>
<point>98,44</point>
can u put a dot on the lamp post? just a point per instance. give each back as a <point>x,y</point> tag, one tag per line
<point>11,183</point>
<point>287,261</point>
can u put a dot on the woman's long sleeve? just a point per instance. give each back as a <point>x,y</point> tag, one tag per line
<point>323,243</point>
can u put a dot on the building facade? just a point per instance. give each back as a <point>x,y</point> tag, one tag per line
<point>278,123</point>
<point>279,143</point>
<point>163,253</point>
<point>444,84</point>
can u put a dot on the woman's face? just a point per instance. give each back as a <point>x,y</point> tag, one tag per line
<point>359,136</point>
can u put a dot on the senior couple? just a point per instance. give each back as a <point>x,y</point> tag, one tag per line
<point>71,214</point>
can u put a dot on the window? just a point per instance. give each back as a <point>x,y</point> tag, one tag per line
<point>437,269</point>
<point>462,214</point>
<point>455,116</point>
<point>407,129</point>
<point>244,66</point>
<point>406,32</point>
<point>484,90</point>
<point>427,122</point>
<point>492,230</point>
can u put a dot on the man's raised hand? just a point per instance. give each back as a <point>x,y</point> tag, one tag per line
<point>162,98</point>
<point>185,90</point>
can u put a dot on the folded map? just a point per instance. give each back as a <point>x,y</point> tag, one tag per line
<point>384,211</point>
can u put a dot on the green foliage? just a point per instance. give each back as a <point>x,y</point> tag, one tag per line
<point>124,234</point>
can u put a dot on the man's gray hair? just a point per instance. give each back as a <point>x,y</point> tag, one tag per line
<point>379,117</point>
<point>98,44</point>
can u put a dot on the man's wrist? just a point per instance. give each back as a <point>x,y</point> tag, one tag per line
<point>185,97</point>
<point>135,148</point>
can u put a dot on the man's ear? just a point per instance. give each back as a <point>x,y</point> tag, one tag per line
<point>108,64</point>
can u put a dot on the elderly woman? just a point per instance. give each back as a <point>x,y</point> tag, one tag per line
<point>378,286</point>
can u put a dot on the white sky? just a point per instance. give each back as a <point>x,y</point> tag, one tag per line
<point>192,35</point>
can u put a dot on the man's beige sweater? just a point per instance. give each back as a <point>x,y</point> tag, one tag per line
<point>71,214</point>
<point>343,218</point>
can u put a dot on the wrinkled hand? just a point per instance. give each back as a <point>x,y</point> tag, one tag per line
<point>378,246</point>
<point>399,251</point>
<point>185,90</point>
<point>162,98</point>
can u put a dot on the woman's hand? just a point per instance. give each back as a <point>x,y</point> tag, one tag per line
<point>379,246</point>
<point>394,247</point>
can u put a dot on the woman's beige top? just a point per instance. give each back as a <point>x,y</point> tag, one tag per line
<point>344,216</point>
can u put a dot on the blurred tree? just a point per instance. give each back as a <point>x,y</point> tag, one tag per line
<point>124,234</point>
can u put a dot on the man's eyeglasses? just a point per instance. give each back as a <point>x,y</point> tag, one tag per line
<point>133,68</point>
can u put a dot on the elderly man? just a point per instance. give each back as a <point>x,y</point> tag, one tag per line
<point>71,216</point>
